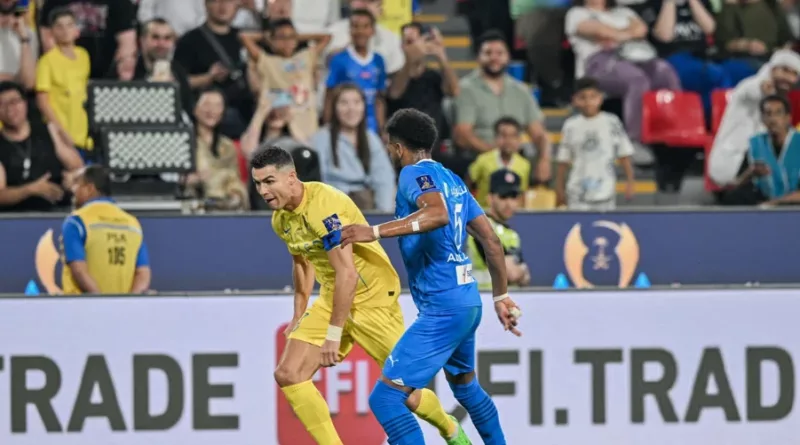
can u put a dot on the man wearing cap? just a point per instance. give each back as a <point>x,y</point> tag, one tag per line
<point>742,118</point>
<point>504,199</point>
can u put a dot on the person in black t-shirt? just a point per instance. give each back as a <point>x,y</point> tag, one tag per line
<point>108,31</point>
<point>157,45</point>
<point>416,85</point>
<point>35,164</point>
<point>213,56</point>
<point>679,30</point>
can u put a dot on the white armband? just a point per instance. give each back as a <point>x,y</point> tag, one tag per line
<point>334,333</point>
<point>376,232</point>
<point>415,226</point>
<point>499,298</point>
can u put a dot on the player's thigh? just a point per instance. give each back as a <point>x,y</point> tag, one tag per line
<point>462,361</point>
<point>378,330</point>
<point>301,357</point>
<point>426,347</point>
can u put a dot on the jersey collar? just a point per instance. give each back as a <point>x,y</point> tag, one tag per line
<point>363,61</point>
<point>303,201</point>
<point>99,199</point>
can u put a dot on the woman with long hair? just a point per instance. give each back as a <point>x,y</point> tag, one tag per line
<point>216,175</point>
<point>352,157</point>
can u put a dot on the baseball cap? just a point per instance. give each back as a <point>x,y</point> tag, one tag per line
<point>505,183</point>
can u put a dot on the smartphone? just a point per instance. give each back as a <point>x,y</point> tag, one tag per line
<point>162,70</point>
<point>280,98</point>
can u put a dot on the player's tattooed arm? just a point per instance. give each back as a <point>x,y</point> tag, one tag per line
<point>481,229</point>
<point>303,279</point>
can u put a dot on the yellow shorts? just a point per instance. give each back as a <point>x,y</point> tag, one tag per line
<point>376,330</point>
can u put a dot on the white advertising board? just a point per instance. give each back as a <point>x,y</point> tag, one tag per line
<point>600,368</point>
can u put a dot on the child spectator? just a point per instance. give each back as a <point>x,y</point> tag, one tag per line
<point>289,72</point>
<point>360,65</point>
<point>62,77</point>
<point>592,141</point>
<point>507,136</point>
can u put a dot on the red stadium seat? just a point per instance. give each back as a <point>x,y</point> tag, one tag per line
<point>719,100</point>
<point>673,118</point>
<point>794,101</point>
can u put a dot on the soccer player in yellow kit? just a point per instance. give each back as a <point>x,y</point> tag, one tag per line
<point>359,289</point>
<point>102,246</point>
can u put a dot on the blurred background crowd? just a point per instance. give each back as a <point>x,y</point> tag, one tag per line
<point>541,104</point>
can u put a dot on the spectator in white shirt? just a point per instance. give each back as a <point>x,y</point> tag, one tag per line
<point>315,16</point>
<point>742,118</point>
<point>18,47</point>
<point>182,15</point>
<point>384,42</point>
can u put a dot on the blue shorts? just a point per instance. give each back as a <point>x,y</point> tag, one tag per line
<point>434,341</point>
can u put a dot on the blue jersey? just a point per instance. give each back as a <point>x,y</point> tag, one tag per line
<point>439,271</point>
<point>368,73</point>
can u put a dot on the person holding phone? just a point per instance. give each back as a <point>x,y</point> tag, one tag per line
<point>771,171</point>
<point>19,47</point>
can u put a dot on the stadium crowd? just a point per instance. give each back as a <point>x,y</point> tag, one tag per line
<point>320,78</point>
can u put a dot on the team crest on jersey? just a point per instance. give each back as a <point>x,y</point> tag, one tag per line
<point>425,182</point>
<point>332,223</point>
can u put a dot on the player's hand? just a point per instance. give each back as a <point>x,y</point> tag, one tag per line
<point>330,353</point>
<point>357,233</point>
<point>509,321</point>
<point>218,72</point>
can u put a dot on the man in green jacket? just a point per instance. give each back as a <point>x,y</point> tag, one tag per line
<point>504,200</point>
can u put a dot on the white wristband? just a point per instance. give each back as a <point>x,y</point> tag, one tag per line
<point>376,232</point>
<point>499,298</point>
<point>334,333</point>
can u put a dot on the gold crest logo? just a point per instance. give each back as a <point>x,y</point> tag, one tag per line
<point>47,258</point>
<point>626,252</point>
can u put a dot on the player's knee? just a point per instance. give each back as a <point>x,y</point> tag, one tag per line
<point>460,379</point>
<point>287,376</point>
<point>385,395</point>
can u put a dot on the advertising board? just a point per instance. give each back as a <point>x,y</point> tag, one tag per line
<point>630,367</point>
<point>578,250</point>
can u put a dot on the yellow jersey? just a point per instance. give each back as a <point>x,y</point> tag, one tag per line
<point>487,163</point>
<point>109,239</point>
<point>65,81</point>
<point>325,210</point>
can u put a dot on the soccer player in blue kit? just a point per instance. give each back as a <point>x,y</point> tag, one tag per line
<point>434,212</point>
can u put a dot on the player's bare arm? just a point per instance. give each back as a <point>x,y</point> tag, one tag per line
<point>344,292</point>
<point>507,311</point>
<point>303,281</point>
<point>432,214</point>
<point>80,273</point>
<point>141,280</point>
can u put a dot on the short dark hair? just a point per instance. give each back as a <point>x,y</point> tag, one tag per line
<point>492,35</point>
<point>586,83</point>
<point>506,120</point>
<point>57,13</point>
<point>412,128</point>
<point>787,107</point>
<point>365,13</point>
<point>9,85</point>
<point>273,155</point>
<point>279,23</point>
<point>416,25</point>
<point>145,26</point>
<point>99,177</point>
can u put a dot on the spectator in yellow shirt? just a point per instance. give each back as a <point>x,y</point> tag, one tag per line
<point>508,141</point>
<point>62,77</point>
